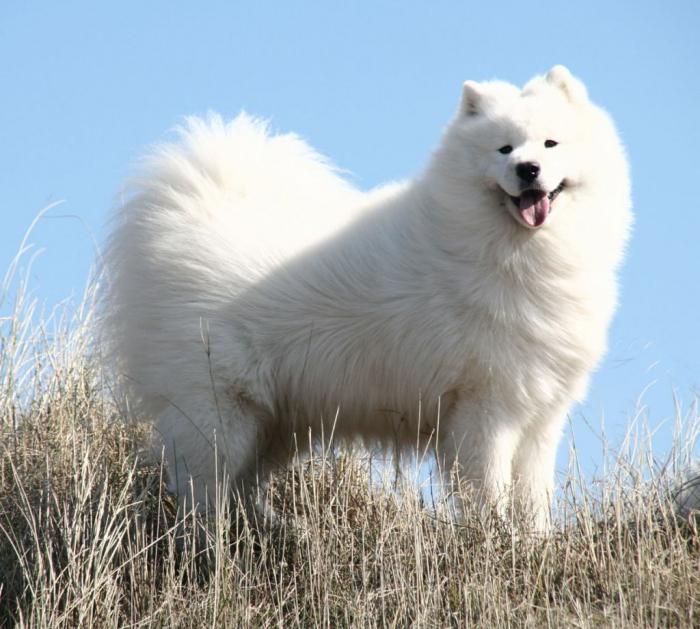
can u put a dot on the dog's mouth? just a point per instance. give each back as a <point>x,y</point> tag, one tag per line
<point>534,205</point>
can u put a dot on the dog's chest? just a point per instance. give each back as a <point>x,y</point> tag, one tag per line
<point>534,339</point>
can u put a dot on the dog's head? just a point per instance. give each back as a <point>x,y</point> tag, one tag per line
<point>527,145</point>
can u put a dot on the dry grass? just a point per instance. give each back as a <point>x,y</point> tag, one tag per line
<point>88,537</point>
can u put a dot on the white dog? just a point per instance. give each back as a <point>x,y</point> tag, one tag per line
<point>254,293</point>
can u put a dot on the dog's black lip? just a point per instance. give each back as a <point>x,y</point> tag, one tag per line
<point>550,195</point>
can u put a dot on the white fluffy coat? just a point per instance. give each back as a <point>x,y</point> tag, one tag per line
<point>254,293</point>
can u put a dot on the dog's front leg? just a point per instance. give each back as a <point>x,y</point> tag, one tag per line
<point>475,450</point>
<point>533,471</point>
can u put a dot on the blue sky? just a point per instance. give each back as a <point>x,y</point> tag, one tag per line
<point>85,86</point>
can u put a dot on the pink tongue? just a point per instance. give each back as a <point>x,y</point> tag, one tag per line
<point>534,207</point>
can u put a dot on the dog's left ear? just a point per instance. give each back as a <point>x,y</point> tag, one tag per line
<point>471,99</point>
<point>561,78</point>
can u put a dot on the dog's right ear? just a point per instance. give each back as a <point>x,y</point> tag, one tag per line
<point>471,99</point>
<point>571,87</point>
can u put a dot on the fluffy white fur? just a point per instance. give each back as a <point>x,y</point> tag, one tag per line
<point>255,294</point>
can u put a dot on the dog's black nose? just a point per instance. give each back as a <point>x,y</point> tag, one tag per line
<point>527,171</point>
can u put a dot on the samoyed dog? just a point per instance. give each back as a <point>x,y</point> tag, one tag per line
<point>254,294</point>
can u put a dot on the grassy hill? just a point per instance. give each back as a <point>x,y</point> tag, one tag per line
<point>90,537</point>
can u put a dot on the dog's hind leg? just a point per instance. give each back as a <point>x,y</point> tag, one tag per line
<point>212,444</point>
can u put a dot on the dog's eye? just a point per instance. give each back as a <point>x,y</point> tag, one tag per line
<point>506,149</point>
<point>548,144</point>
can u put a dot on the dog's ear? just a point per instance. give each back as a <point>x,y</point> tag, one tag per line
<point>561,78</point>
<point>471,99</point>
